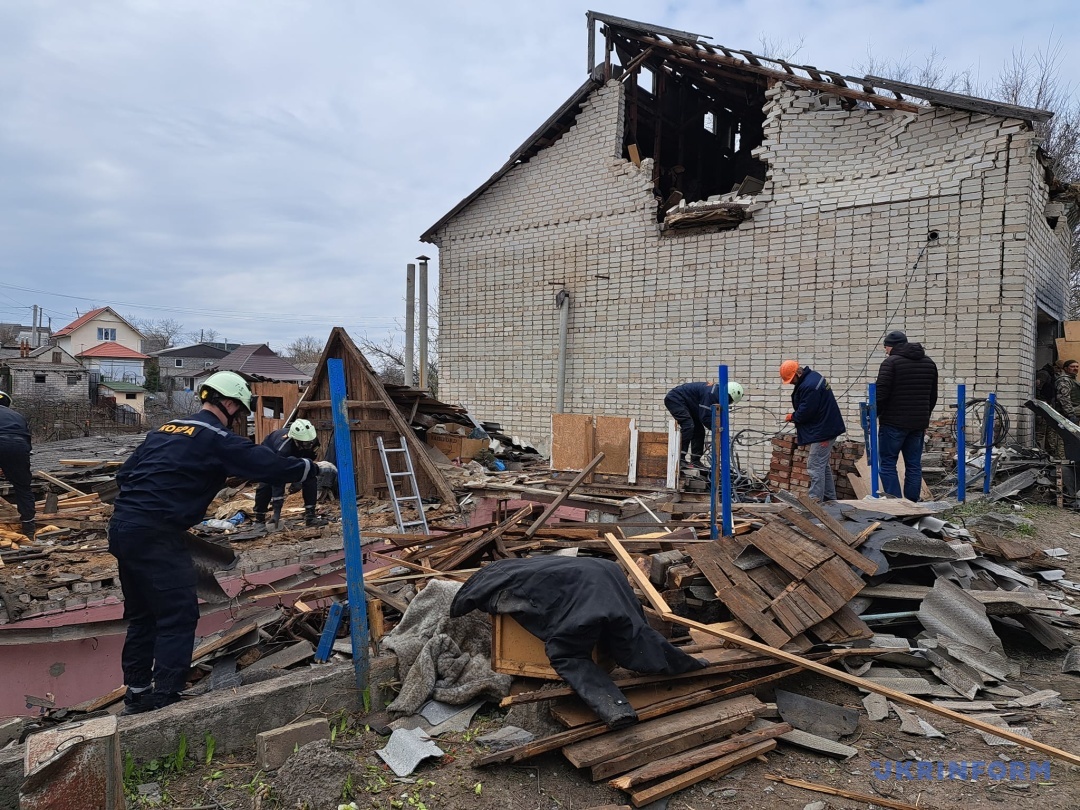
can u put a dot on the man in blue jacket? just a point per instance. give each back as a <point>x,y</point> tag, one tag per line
<point>817,421</point>
<point>690,404</point>
<point>165,487</point>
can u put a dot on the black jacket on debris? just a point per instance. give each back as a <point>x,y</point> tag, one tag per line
<point>907,388</point>
<point>574,604</point>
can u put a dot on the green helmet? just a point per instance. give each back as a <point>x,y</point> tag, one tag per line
<point>302,431</point>
<point>227,384</point>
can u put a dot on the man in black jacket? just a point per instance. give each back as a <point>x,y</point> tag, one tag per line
<point>817,421</point>
<point>907,391</point>
<point>15,461</point>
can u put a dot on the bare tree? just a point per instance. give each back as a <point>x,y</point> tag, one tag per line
<point>9,334</point>
<point>388,355</point>
<point>158,334</point>
<point>306,349</point>
<point>202,336</point>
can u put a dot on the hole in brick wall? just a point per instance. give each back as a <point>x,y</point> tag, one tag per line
<point>699,134</point>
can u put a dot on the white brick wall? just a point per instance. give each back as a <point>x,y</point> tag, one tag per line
<point>815,274</point>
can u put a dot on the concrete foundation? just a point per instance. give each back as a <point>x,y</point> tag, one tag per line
<point>232,717</point>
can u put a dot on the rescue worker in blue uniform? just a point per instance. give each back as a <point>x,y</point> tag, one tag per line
<point>299,440</point>
<point>15,461</point>
<point>165,487</point>
<point>690,404</point>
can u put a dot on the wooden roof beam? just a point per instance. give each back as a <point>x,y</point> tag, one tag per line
<point>808,84</point>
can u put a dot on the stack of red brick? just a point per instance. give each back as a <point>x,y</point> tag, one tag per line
<point>787,469</point>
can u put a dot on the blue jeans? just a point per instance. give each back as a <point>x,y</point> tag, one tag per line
<point>892,441</point>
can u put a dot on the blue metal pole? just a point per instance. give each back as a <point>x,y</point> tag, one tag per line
<point>350,523</point>
<point>961,444</point>
<point>725,453</point>
<point>875,462</point>
<point>991,402</point>
<point>714,426</point>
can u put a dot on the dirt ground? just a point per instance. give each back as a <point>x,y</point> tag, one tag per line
<point>348,770</point>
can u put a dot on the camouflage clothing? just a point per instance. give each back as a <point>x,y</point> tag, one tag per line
<point>1068,397</point>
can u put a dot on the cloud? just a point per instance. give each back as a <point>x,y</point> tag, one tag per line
<point>265,169</point>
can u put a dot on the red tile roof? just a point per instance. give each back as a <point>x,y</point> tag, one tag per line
<point>75,324</point>
<point>114,350</point>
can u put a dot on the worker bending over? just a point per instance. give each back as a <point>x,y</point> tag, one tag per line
<point>165,487</point>
<point>691,404</point>
<point>299,440</point>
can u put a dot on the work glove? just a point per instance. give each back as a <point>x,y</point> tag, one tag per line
<point>326,467</point>
<point>788,417</point>
<point>294,487</point>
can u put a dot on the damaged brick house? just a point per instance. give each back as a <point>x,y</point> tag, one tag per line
<point>695,205</point>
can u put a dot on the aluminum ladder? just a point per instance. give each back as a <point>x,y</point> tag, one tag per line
<point>410,477</point>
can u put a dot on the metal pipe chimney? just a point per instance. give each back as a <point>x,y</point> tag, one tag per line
<point>410,321</point>
<point>423,307</point>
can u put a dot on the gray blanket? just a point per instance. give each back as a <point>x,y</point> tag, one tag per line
<point>440,657</point>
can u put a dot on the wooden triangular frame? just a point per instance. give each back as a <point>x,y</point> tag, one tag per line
<point>372,413</point>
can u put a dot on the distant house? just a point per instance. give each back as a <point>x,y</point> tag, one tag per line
<point>115,362</point>
<point>98,326</point>
<point>276,382</point>
<point>48,373</point>
<point>259,360</point>
<point>178,368</point>
<point>128,399</point>
<point>12,334</point>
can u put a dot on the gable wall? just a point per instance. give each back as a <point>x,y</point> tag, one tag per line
<point>816,274</point>
<point>85,336</point>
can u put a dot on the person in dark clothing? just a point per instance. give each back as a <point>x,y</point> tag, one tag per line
<point>907,391</point>
<point>1046,438</point>
<point>690,404</point>
<point>817,421</point>
<point>574,604</point>
<point>165,487</point>
<point>15,446</point>
<point>299,440</point>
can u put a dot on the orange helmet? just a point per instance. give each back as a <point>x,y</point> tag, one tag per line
<point>788,370</point>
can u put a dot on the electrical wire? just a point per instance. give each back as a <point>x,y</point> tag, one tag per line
<point>931,238</point>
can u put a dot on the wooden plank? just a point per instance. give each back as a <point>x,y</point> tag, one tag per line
<point>867,798</point>
<point>398,604</point>
<point>572,440</point>
<point>1036,600</point>
<point>672,744</point>
<point>677,762</point>
<point>476,546</point>
<point>742,596</point>
<point>652,454</point>
<point>826,520</point>
<point>613,440</point>
<point>44,476</point>
<point>562,496</point>
<point>831,542</point>
<point>564,738</point>
<point>215,644</point>
<point>792,552</point>
<point>587,753</point>
<point>572,712</point>
<point>870,686</point>
<point>692,777</point>
<point>639,577</point>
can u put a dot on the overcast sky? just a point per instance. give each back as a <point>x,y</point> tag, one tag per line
<point>265,168</point>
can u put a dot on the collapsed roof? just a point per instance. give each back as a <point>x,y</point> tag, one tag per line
<point>675,78</point>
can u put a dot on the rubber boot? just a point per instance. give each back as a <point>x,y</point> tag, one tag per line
<point>29,528</point>
<point>311,519</point>
<point>259,519</point>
